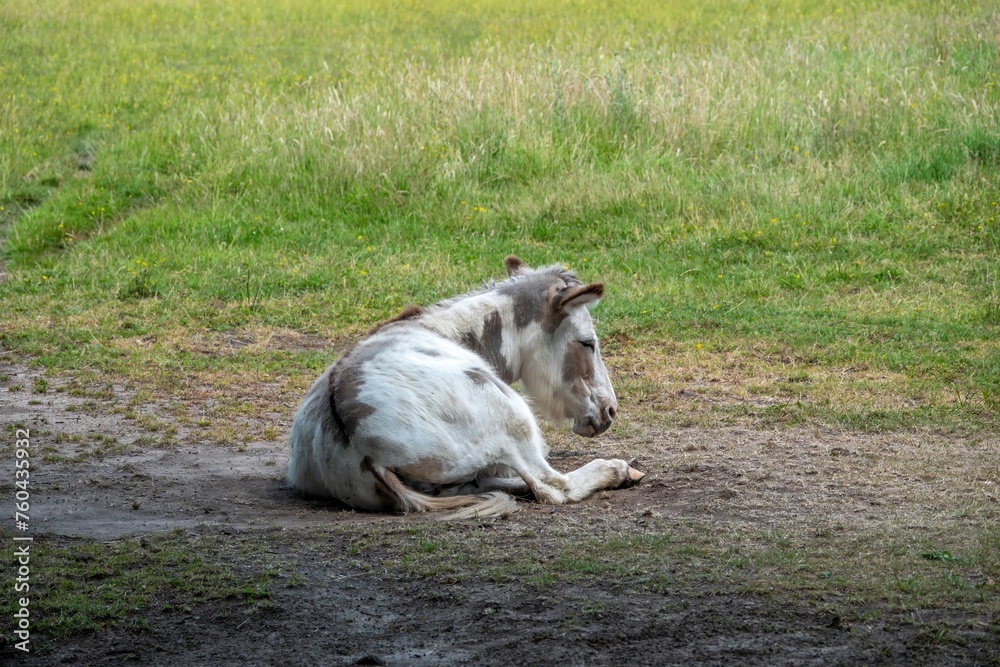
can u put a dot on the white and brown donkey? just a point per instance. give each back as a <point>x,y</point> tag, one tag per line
<point>420,415</point>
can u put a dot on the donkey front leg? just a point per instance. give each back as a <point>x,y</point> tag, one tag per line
<point>601,474</point>
<point>556,488</point>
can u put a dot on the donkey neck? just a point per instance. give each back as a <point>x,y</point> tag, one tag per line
<point>483,323</point>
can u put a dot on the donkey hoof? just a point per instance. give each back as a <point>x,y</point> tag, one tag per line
<point>634,477</point>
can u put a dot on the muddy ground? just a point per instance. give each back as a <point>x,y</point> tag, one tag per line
<point>341,614</point>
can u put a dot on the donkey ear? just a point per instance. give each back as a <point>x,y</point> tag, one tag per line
<point>515,267</point>
<point>571,298</point>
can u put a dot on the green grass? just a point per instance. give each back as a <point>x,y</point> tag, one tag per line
<point>79,585</point>
<point>855,567</point>
<point>786,179</point>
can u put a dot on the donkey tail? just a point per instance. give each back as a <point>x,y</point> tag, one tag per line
<point>493,504</point>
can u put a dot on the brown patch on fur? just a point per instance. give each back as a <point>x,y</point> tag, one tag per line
<point>482,377</point>
<point>469,341</point>
<point>348,409</point>
<point>553,316</point>
<point>488,346</point>
<point>540,298</point>
<point>424,470</point>
<point>409,312</point>
<point>346,380</point>
<point>476,375</point>
<point>578,367</point>
<point>331,389</point>
<point>529,297</point>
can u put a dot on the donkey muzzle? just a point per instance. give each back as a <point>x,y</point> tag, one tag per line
<point>591,426</point>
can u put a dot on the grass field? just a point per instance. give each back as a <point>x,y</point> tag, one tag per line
<point>794,204</point>
<point>756,183</point>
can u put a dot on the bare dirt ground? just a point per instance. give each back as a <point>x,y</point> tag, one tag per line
<point>786,481</point>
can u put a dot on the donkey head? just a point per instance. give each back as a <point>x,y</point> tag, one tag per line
<point>563,372</point>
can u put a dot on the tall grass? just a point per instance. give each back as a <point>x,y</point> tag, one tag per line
<point>820,177</point>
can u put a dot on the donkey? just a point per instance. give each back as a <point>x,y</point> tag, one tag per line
<point>420,415</point>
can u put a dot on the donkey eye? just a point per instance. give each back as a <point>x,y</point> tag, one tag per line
<point>589,344</point>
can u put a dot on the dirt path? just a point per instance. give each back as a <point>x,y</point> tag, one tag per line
<point>787,481</point>
<point>345,620</point>
<point>146,489</point>
<point>791,477</point>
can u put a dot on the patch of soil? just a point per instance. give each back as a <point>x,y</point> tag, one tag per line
<point>146,489</point>
<point>343,616</point>
<point>340,616</point>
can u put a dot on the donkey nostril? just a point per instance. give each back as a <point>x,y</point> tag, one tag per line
<point>612,412</point>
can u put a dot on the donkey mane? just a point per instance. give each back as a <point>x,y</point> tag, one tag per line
<point>556,271</point>
<point>409,311</point>
<point>412,311</point>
